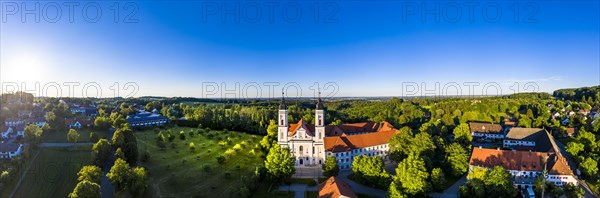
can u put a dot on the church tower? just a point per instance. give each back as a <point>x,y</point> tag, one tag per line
<point>319,120</point>
<point>282,136</point>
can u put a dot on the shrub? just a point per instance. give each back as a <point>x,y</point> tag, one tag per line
<point>237,147</point>
<point>225,131</point>
<point>191,133</point>
<point>312,182</point>
<point>229,153</point>
<point>192,146</point>
<point>182,135</point>
<point>220,159</point>
<point>222,143</point>
<point>207,129</point>
<point>171,137</point>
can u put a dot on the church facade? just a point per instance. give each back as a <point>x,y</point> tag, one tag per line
<point>311,143</point>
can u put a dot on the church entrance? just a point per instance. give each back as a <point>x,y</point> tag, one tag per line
<point>301,162</point>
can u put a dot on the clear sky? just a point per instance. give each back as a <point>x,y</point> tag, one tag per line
<point>360,48</point>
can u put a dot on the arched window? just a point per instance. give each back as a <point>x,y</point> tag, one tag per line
<point>300,149</point>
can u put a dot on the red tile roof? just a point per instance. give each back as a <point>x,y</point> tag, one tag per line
<point>334,188</point>
<point>345,143</point>
<point>520,160</point>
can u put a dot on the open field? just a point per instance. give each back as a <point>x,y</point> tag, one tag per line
<point>178,171</point>
<point>54,172</point>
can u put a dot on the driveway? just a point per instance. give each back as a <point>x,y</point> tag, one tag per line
<point>572,164</point>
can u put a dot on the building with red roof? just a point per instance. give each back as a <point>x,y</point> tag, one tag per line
<point>335,188</point>
<point>311,143</point>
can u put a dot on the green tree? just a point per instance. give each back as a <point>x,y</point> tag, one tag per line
<point>90,173</point>
<point>33,133</point>
<point>119,174</point>
<point>438,179</point>
<point>119,154</point>
<point>574,148</point>
<point>457,159</point>
<point>280,163</point>
<point>411,176</point>
<point>72,136</point>
<point>102,123</point>
<point>86,189</point>
<point>330,167</point>
<point>138,182</point>
<point>462,134</point>
<point>94,137</point>
<point>589,167</point>
<point>499,182</point>
<point>271,135</point>
<point>101,151</point>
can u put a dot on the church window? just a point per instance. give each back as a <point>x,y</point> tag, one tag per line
<point>301,149</point>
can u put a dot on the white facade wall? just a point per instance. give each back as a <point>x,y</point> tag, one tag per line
<point>560,180</point>
<point>488,135</point>
<point>344,159</point>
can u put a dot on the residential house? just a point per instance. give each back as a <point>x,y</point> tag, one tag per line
<point>147,119</point>
<point>5,131</point>
<point>20,131</point>
<point>78,123</point>
<point>525,166</point>
<point>10,150</point>
<point>11,122</point>
<point>37,121</point>
<point>486,130</point>
<point>571,131</point>
<point>335,188</point>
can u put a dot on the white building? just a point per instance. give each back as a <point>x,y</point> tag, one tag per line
<point>486,130</point>
<point>525,166</point>
<point>311,143</point>
<point>10,150</point>
<point>524,138</point>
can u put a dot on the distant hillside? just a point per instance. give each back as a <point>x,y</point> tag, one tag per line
<point>578,93</point>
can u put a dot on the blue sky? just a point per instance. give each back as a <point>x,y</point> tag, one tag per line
<point>364,48</point>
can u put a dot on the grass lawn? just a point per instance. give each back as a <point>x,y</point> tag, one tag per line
<point>53,173</point>
<point>61,136</point>
<point>178,171</point>
<point>263,191</point>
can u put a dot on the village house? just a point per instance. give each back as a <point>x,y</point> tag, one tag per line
<point>10,150</point>
<point>486,130</point>
<point>571,132</point>
<point>37,121</point>
<point>11,122</point>
<point>525,166</point>
<point>78,123</point>
<point>5,131</point>
<point>311,143</point>
<point>20,131</point>
<point>335,188</point>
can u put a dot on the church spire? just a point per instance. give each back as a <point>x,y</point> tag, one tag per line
<point>319,104</point>
<point>282,105</point>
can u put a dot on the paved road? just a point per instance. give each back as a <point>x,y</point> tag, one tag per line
<point>106,188</point>
<point>572,164</point>
<point>359,188</point>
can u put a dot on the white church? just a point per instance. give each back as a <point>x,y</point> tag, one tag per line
<point>311,143</point>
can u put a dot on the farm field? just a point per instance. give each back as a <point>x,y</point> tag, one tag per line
<point>178,171</point>
<point>54,172</point>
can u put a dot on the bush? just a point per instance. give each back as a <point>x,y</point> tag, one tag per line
<point>171,137</point>
<point>192,146</point>
<point>220,159</point>
<point>312,182</point>
<point>207,129</point>
<point>237,147</point>
<point>222,143</point>
<point>191,133</point>
<point>229,153</point>
<point>182,135</point>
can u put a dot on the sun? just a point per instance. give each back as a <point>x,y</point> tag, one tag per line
<point>23,66</point>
